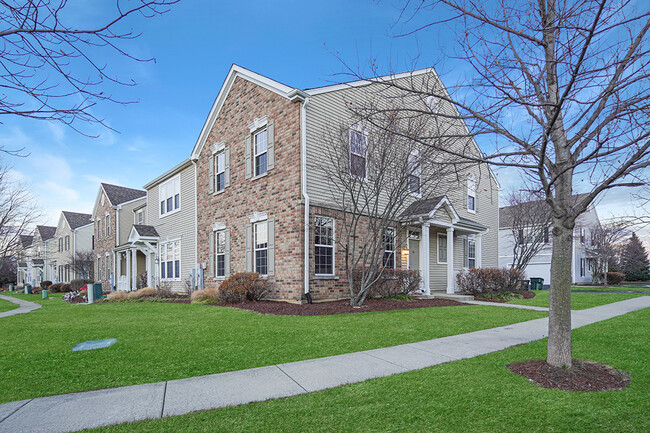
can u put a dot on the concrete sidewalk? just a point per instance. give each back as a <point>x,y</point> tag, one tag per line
<point>78,411</point>
<point>24,307</point>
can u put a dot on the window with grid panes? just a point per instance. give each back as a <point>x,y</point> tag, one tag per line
<point>324,245</point>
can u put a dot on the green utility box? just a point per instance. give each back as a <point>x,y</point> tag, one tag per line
<point>44,294</point>
<point>536,283</point>
<point>28,289</point>
<point>94,292</point>
<point>11,287</point>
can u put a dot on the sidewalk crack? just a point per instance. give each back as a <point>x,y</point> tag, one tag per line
<point>17,409</point>
<point>162,409</point>
<point>294,380</point>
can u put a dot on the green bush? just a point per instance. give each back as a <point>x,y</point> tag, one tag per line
<point>242,287</point>
<point>78,284</point>
<point>478,281</point>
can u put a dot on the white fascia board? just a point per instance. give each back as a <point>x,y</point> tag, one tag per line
<point>169,173</point>
<point>359,83</point>
<point>253,77</point>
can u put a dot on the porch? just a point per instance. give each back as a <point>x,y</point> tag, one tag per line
<point>135,261</point>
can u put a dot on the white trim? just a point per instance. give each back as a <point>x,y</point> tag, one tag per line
<point>333,246</point>
<point>255,249</point>
<point>258,216</point>
<point>439,235</point>
<point>258,123</point>
<point>165,243</point>
<point>358,83</point>
<point>255,155</point>
<point>170,181</point>
<point>218,147</point>
<point>216,253</point>
<point>218,226</point>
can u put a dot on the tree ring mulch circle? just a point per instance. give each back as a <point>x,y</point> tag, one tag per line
<point>582,376</point>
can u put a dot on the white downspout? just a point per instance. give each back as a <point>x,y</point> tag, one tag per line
<point>303,184</point>
<point>117,243</point>
<point>74,253</point>
<point>196,221</point>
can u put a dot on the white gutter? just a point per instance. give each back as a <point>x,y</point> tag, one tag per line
<point>303,183</point>
<point>196,218</point>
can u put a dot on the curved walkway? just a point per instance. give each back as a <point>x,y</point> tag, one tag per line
<point>23,306</point>
<point>61,413</point>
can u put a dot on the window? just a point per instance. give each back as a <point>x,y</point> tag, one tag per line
<point>415,173</point>
<point>99,229</point>
<point>433,102</point>
<point>108,225</point>
<point>170,260</point>
<point>546,238</point>
<point>442,248</point>
<point>220,253</point>
<point>67,272</point>
<point>582,267</point>
<point>471,194</point>
<point>67,243</point>
<point>324,245</point>
<point>520,237</point>
<point>220,171</point>
<point>139,217</point>
<point>261,244</point>
<point>582,235</point>
<point>259,146</point>
<point>60,244</point>
<point>358,150</point>
<point>471,253</point>
<point>99,268</point>
<point>388,241</point>
<point>169,194</point>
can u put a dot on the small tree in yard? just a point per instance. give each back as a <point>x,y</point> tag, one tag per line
<point>529,218</point>
<point>561,90</point>
<point>82,264</point>
<point>634,260</point>
<point>603,246</point>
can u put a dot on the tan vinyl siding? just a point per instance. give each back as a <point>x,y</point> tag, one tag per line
<point>84,238</point>
<point>126,219</point>
<point>177,225</point>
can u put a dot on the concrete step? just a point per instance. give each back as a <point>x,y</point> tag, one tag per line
<point>441,294</point>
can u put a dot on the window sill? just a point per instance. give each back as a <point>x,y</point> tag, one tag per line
<point>325,277</point>
<point>259,176</point>
<point>169,213</point>
<point>219,192</point>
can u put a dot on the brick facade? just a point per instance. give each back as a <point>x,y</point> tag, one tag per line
<point>106,243</point>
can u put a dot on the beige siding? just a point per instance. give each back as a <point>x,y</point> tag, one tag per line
<point>178,225</point>
<point>85,238</point>
<point>126,219</point>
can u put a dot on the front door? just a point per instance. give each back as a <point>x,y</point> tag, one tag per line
<point>414,254</point>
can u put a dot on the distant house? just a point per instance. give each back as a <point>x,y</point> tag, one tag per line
<point>74,233</point>
<point>33,261</point>
<point>112,217</point>
<point>540,265</point>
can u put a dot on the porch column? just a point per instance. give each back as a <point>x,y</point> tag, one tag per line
<point>134,268</point>
<point>424,259</point>
<point>128,270</point>
<point>479,254</point>
<point>149,269</point>
<point>118,269</point>
<point>450,261</point>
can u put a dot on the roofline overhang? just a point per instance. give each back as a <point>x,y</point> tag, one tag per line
<point>169,173</point>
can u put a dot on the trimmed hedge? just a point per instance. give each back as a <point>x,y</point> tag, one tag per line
<point>477,281</point>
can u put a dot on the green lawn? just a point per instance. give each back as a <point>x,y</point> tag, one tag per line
<point>579,301</point>
<point>6,306</point>
<point>473,395</point>
<point>612,288</point>
<point>162,341</point>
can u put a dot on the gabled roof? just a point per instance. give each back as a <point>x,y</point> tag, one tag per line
<point>421,207</point>
<point>46,232</point>
<point>26,240</point>
<point>506,213</point>
<point>37,261</point>
<point>120,194</point>
<point>76,220</point>
<point>358,83</point>
<point>145,230</point>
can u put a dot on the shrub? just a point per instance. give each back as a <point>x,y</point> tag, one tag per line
<point>207,295</point>
<point>144,292</point>
<point>118,294</point>
<point>488,280</point>
<point>395,283</point>
<point>615,278</point>
<point>242,287</point>
<point>164,290</point>
<point>59,288</point>
<point>45,284</point>
<point>79,283</point>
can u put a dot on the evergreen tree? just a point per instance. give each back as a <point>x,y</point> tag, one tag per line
<point>634,260</point>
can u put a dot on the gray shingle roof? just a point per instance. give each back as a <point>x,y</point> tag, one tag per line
<point>76,220</point>
<point>22,264</point>
<point>26,240</point>
<point>506,213</point>
<point>46,232</point>
<point>120,194</point>
<point>37,261</point>
<point>144,230</point>
<point>421,207</point>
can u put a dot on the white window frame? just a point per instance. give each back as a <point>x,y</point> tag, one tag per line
<point>325,246</point>
<point>471,242</point>
<point>99,229</point>
<point>60,244</point>
<point>364,133</point>
<point>108,225</point>
<point>169,189</point>
<point>393,251</point>
<point>66,242</point>
<point>415,171</point>
<point>138,217</point>
<point>583,235</point>
<point>256,155</point>
<point>217,234</point>
<point>433,103</point>
<point>256,249</point>
<point>163,264</point>
<point>471,192</point>
<point>440,238</point>
<point>217,155</point>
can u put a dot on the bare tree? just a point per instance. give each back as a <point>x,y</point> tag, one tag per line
<point>529,219</point>
<point>82,264</point>
<point>18,215</point>
<point>55,69</point>
<point>562,91</point>
<point>604,244</point>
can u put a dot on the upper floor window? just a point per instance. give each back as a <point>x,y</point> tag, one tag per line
<point>433,103</point>
<point>358,152</point>
<point>138,218</point>
<point>389,248</point>
<point>582,235</point>
<point>169,194</point>
<point>324,245</point>
<point>545,235</point>
<point>99,229</point>
<point>471,193</point>
<point>220,171</point>
<point>108,225</point>
<point>60,244</point>
<point>67,242</point>
<point>414,172</point>
<point>260,154</point>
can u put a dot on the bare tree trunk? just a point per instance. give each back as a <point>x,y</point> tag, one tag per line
<point>559,323</point>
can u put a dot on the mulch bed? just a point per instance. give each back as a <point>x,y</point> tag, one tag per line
<point>583,376</point>
<point>279,308</point>
<point>526,294</point>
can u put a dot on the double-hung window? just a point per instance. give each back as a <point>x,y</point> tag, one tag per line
<point>261,244</point>
<point>471,253</point>
<point>220,253</point>
<point>324,245</point>
<point>170,260</point>
<point>60,244</point>
<point>169,194</point>
<point>99,229</point>
<point>442,248</point>
<point>414,172</point>
<point>139,217</point>
<point>67,242</point>
<point>471,194</point>
<point>358,152</point>
<point>220,171</point>
<point>260,152</point>
<point>108,225</point>
<point>388,241</point>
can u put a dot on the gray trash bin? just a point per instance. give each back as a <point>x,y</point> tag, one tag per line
<point>94,292</point>
<point>28,289</point>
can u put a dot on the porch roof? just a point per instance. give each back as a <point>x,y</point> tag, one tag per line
<point>465,223</point>
<point>146,231</point>
<point>421,207</point>
<point>38,262</point>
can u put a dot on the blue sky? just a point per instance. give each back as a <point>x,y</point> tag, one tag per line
<point>294,42</point>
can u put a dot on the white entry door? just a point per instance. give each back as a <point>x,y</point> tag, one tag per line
<point>414,254</point>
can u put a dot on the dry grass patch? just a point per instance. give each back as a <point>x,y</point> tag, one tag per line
<point>207,295</point>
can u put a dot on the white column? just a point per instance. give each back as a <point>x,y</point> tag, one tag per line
<point>479,250</point>
<point>118,269</point>
<point>149,269</point>
<point>128,269</point>
<point>424,259</point>
<point>134,269</point>
<point>451,284</point>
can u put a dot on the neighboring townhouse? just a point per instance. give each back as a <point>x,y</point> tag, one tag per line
<point>24,255</point>
<point>74,234</point>
<point>262,194</point>
<point>112,218</point>
<point>33,262</point>
<point>162,240</point>
<point>540,265</point>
